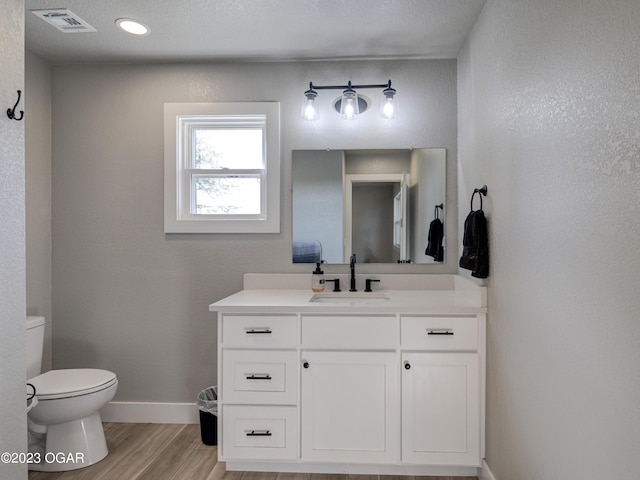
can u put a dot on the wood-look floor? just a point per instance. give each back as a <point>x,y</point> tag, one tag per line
<point>152,451</point>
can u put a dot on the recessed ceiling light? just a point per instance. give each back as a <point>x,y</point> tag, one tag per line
<point>132,26</point>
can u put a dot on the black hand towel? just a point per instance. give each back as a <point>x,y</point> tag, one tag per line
<point>434,240</point>
<point>475,245</point>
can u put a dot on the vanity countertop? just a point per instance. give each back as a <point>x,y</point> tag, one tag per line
<point>454,295</point>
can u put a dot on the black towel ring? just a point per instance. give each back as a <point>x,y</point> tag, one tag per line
<point>483,193</point>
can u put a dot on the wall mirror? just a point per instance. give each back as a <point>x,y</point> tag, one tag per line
<point>378,204</point>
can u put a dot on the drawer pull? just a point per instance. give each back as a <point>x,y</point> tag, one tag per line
<point>257,330</point>
<point>258,376</point>
<point>259,433</point>
<point>440,331</point>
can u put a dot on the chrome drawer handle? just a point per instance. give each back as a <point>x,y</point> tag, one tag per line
<point>259,433</point>
<point>258,376</point>
<point>440,331</point>
<point>257,330</point>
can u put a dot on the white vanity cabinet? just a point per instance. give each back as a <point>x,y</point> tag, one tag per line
<point>394,389</point>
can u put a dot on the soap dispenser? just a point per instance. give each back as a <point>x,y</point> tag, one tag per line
<point>317,279</point>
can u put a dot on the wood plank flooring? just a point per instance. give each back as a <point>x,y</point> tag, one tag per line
<point>152,451</point>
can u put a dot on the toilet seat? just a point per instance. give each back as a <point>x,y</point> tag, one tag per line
<point>73,382</point>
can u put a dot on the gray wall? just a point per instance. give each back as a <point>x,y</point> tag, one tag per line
<point>129,298</point>
<point>13,435</point>
<point>38,193</point>
<point>549,119</point>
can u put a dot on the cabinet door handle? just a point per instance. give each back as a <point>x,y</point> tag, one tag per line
<point>305,364</point>
<point>259,433</point>
<point>440,331</point>
<point>407,366</point>
<point>257,330</point>
<point>258,376</point>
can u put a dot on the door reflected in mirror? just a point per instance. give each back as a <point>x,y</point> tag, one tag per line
<point>378,204</point>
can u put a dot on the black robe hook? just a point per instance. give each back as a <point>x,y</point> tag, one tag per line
<point>11,112</point>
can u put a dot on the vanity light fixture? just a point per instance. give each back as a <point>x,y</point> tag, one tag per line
<point>133,26</point>
<point>350,105</point>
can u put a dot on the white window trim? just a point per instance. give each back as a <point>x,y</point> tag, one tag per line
<point>176,199</point>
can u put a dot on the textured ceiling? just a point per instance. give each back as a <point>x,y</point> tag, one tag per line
<point>251,30</point>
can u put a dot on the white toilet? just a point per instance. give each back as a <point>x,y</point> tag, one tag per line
<point>65,428</point>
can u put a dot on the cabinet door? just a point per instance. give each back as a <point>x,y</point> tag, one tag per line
<point>440,409</point>
<point>350,407</point>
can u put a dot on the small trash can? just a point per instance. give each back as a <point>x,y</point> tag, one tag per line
<point>208,406</point>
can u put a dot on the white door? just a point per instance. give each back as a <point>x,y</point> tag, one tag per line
<point>349,407</point>
<point>440,409</point>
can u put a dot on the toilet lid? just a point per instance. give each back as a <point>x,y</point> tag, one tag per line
<point>71,382</point>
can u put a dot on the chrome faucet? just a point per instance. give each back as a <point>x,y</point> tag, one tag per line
<point>352,266</point>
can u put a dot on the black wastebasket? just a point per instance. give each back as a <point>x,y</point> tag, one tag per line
<point>208,406</point>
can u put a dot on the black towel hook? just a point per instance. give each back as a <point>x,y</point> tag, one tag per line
<point>11,112</point>
<point>483,193</point>
<point>435,210</point>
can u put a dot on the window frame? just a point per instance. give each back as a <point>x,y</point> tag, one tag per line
<point>180,120</point>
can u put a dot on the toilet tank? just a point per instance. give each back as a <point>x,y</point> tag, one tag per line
<point>35,343</point>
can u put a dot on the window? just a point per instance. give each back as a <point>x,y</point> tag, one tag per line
<point>222,167</point>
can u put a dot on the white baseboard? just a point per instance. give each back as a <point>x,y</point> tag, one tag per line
<point>147,412</point>
<point>485,472</point>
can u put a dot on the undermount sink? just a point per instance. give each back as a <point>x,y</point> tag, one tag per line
<point>349,298</point>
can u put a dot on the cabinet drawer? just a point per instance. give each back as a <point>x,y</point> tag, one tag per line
<point>439,333</point>
<point>259,433</point>
<point>352,332</point>
<point>259,330</point>
<point>259,376</point>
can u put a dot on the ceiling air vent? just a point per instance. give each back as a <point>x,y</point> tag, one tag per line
<point>64,20</point>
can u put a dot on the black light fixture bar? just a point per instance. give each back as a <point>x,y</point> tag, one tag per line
<point>348,86</point>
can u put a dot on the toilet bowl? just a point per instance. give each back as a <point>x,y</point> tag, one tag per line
<point>65,428</point>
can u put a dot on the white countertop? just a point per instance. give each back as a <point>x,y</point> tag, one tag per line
<point>464,298</point>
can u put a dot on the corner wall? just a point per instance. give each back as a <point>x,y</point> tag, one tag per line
<point>549,119</point>
<point>13,432</point>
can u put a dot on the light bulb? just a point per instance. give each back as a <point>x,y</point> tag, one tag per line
<point>349,110</point>
<point>310,112</point>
